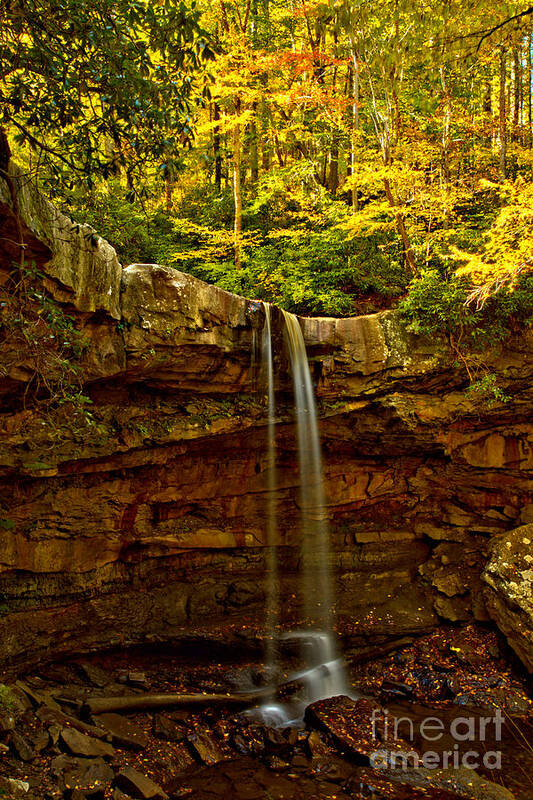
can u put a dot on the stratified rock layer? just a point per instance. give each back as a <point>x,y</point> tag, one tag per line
<point>145,520</point>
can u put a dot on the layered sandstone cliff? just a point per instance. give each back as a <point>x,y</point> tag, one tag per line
<point>144,521</point>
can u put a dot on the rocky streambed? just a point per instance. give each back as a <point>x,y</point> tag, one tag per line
<point>57,743</point>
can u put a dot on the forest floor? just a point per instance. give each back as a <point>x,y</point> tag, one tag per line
<point>458,676</point>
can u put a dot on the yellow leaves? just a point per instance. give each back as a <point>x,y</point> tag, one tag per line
<point>508,250</point>
<point>376,216</point>
<point>292,234</point>
<point>210,244</point>
<point>226,123</point>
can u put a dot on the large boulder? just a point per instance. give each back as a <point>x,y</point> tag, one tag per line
<point>83,268</point>
<point>509,592</point>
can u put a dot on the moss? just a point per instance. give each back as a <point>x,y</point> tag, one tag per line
<point>8,701</point>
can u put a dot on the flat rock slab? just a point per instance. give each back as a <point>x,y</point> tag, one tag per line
<point>461,781</point>
<point>21,747</point>
<point>49,717</point>
<point>123,732</point>
<point>38,698</point>
<point>81,745</point>
<point>167,729</point>
<point>365,782</point>
<point>138,785</point>
<point>207,749</point>
<point>88,775</point>
<point>94,675</point>
<point>356,726</point>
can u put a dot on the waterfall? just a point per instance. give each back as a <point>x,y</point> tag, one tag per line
<point>272,593</point>
<point>324,672</point>
<point>325,675</point>
<point>316,578</point>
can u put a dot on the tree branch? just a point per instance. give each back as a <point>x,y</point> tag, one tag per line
<point>489,33</point>
<point>44,147</point>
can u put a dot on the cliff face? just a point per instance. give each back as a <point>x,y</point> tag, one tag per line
<point>143,519</point>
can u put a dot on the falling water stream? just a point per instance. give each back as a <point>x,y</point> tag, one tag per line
<point>324,673</point>
<point>272,594</point>
<point>316,576</point>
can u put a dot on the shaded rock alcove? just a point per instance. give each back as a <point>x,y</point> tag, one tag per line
<point>147,523</point>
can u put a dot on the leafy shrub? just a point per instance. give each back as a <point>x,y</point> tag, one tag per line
<point>437,305</point>
<point>135,232</point>
<point>297,251</point>
<point>488,390</point>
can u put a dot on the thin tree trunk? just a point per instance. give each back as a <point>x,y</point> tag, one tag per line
<point>400,225</point>
<point>279,152</point>
<point>503,112</point>
<point>254,152</point>
<point>237,188</point>
<point>169,186</point>
<point>265,156</point>
<point>216,148</point>
<point>521,98</point>
<point>516,92</point>
<point>529,94</point>
<point>445,129</point>
<point>355,125</point>
<point>333,177</point>
<point>487,98</point>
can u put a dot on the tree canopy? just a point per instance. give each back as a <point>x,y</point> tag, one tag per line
<point>95,86</point>
<point>325,155</point>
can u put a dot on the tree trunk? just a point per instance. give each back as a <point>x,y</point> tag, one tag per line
<point>445,129</point>
<point>516,92</point>
<point>333,177</point>
<point>5,151</point>
<point>355,124</point>
<point>5,157</point>
<point>237,189</point>
<point>104,705</point>
<point>254,152</point>
<point>216,148</point>
<point>400,225</point>
<point>487,98</point>
<point>503,113</point>
<point>279,151</point>
<point>529,92</point>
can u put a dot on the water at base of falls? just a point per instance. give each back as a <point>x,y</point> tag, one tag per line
<point>323,676</point>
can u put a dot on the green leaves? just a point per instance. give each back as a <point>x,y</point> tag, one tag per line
<point>76,76</point>
<point>437,305</point>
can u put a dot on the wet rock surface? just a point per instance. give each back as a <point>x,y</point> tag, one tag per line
<point>138,785</point>
<point>123,732</point>
<point>79,744</point>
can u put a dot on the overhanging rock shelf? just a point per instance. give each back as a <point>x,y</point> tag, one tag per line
<point>148,523</point>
